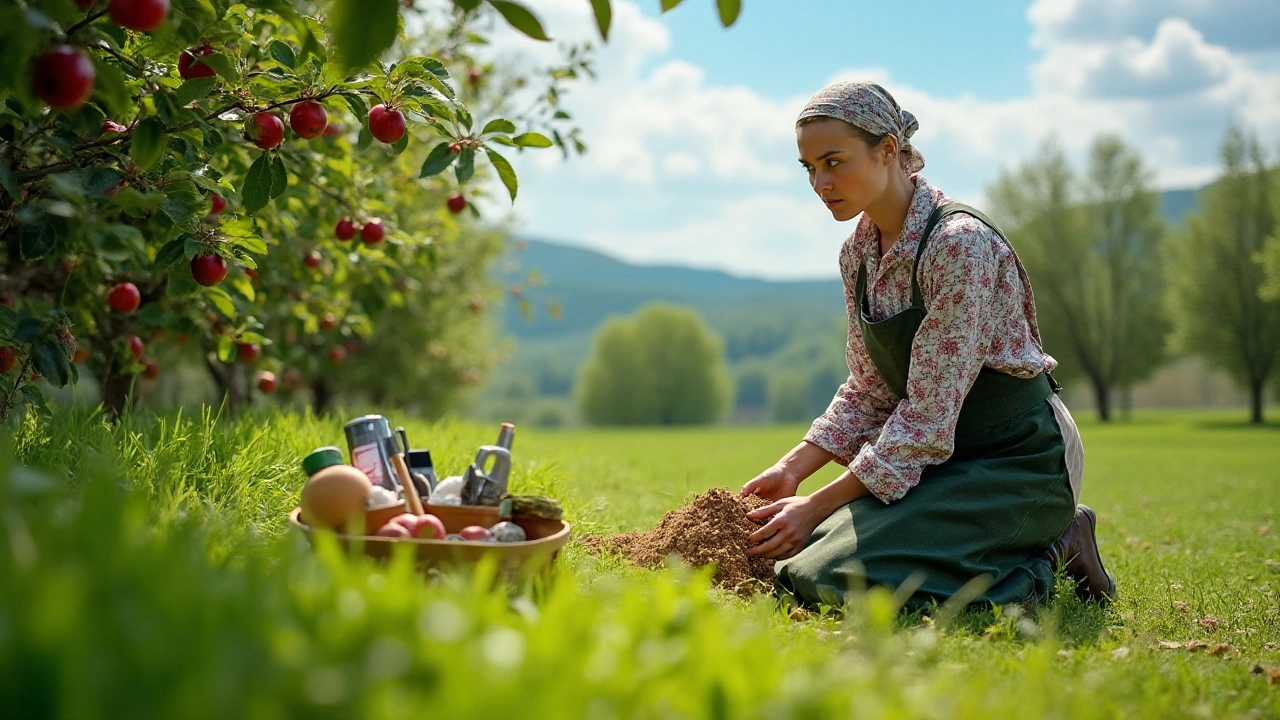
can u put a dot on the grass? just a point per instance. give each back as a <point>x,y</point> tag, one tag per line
<point>146,569</point>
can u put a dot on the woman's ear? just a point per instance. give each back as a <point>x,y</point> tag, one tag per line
<point>889,146</point>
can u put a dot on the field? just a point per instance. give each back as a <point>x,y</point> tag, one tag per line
<point>146,570</point>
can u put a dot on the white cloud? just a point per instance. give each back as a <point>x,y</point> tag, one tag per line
<point>687,171</point>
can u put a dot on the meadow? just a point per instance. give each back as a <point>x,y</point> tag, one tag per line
<point>147,569</point>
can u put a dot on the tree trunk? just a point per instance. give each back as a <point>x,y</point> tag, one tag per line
<point>233,383</point>
<point>321,395</point>
<point>1126,403</point>
<point>116,389</point>
<point>1255,397</point>
<point>1102,394</point>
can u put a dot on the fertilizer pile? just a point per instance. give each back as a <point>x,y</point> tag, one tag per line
<point>713,528</point>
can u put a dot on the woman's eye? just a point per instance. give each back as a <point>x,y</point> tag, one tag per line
<point>832,162</point>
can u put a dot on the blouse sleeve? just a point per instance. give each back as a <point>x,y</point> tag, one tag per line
<point>957,281</point>
<point>863,403</point>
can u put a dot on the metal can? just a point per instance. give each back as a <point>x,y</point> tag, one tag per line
<point>367,439</point>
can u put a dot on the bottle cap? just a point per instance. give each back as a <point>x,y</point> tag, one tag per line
<point>321,458</point>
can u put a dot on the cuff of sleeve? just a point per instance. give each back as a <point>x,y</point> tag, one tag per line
<point>832,438</point>
<point>882,479</point>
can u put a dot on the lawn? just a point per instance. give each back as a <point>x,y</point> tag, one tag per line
<point>146,569</point>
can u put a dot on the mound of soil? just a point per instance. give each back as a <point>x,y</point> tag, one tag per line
<point>713,528</point>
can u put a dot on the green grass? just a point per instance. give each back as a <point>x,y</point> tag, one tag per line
<point>147,569</point>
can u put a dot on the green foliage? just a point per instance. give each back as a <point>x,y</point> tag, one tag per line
<point>149,572</point>
<point>662,367</point>
<point>1216,280</point>
<point>1092,249</point>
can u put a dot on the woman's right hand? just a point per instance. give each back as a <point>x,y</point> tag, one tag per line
<point>773,484</point>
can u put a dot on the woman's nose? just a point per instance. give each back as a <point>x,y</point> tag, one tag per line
<point>820,181</point>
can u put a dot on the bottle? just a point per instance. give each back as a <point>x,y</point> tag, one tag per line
<point>506,435</point>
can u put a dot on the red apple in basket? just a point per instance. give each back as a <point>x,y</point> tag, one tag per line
<point>475,532</point>
<point>429,527</point>
<point>392,530</point>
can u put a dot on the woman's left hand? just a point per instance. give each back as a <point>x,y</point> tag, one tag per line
<point>793,521</point>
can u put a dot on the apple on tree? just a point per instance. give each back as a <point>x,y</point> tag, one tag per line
<point>456,203</point>
<point>312,259</point>
<point>136,347</point>
<point>7,360</point>
<point>329,321</point>
<point>217,204</point>
<point>373,232</point>
<point>386,125</point>
<point>248,351</point>
<point>190,67</point>
<point>308,119</point>
<point>63,77</point>
<point>345,229</point>
<point>140,15</point>
<point>265,130</point>
<point>150,369</point>
<point>267,381</point>
<point>124,298</point>
<point>208,268</point>
<point>337,353</point>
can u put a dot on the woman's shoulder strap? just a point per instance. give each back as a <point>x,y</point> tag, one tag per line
<point>939,213</point>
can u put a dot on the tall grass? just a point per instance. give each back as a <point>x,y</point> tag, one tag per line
<point>147,570</point>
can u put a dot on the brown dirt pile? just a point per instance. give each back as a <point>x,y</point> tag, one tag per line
<point>713,528</point>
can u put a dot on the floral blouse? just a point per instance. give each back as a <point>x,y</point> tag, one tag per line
<point>979,311</point>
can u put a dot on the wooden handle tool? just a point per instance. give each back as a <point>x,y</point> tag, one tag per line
<point>406,482</point>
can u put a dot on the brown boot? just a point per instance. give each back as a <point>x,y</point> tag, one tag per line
<point>1077,550</point>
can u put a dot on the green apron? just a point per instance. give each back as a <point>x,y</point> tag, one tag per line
<point>991,509</point>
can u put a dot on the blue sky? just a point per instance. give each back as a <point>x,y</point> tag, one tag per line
<point>690,126</point>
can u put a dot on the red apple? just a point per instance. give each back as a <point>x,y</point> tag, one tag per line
<point>150,369</point>
<point>63,77</point>
<point>475,532</point>
<point>312,259</point>
<point>216,204</point>
<point>429,527</point>
<point>7,360</point>
<point>85,4</point>
<point>265,130</point>
<point>136,347</point>
<point>345,229</point>
<point>337,353</point>
<point>248,351</point>
<point>308,119</point>
<point>124,297</point>
<point>190,68</point>
<point>386,124</point>
<point>392,530</point>
<point>81,355</point>
<point>253,274</point>
<point>329,321</point>
<point>208,268</point>
<point>373,232</point>
<point>457,203</point>
<point>267,381</point>
<point>331,130</point>
<point>140,15</point>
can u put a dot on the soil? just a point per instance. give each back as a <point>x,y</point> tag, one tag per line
<point>712,528</point>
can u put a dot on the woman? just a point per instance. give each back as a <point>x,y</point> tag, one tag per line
<point>962,461</point>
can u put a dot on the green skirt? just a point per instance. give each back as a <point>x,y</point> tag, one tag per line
<point>990,510</point>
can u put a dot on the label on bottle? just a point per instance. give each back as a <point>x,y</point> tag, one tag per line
<point>368,458</point>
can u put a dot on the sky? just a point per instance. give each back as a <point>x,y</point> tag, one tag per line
<point>690,126</point>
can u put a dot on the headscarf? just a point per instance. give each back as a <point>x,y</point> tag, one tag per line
<point>868,106</point>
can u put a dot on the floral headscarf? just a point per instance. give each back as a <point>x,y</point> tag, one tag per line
<point>871,108</point>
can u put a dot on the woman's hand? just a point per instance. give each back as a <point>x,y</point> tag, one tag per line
<point>772,484</point>
<point>793,521</point>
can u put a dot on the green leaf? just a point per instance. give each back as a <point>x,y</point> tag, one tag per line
<point>466,5</point>
<point>97,181</point>
<point>520,18</point>
<point>604,16</point>
<point>729,10</point>
<point>498,125</point>
<point>437,160</point>
<point>221,300</point>
<point>279,177</point>
<point>362,29</point>
<point>399,145</point>
<point>670,4</point>
<point>532,139</point>
<point>222,65</point>
<point>51,361</point>
<point>171,254</point>
<point>8,182</point>
<point>149,140</point>
<point>226,348</point>
<point>182,201</point>
<point>357,105</point>
<point>466,166</point>
<point>251,243</point>
<point>34,396</point>
<point>282,54</point>
<point>256,191</point>
<point>112,88</point>
<point>39,236</point>
<point>193,90</point>
<point>240,227</point>
<point>28,330</point>
<point>243,285</point>
<point>505,172</point>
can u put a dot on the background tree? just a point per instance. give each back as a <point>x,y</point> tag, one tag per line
<point>1216,280</point>
<point>1091,250</point>
<point>660,367</point>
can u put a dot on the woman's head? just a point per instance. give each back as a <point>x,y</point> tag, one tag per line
<point>853,139</point>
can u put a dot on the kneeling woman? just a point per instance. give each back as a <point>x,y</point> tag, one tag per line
<point>962,461</point>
